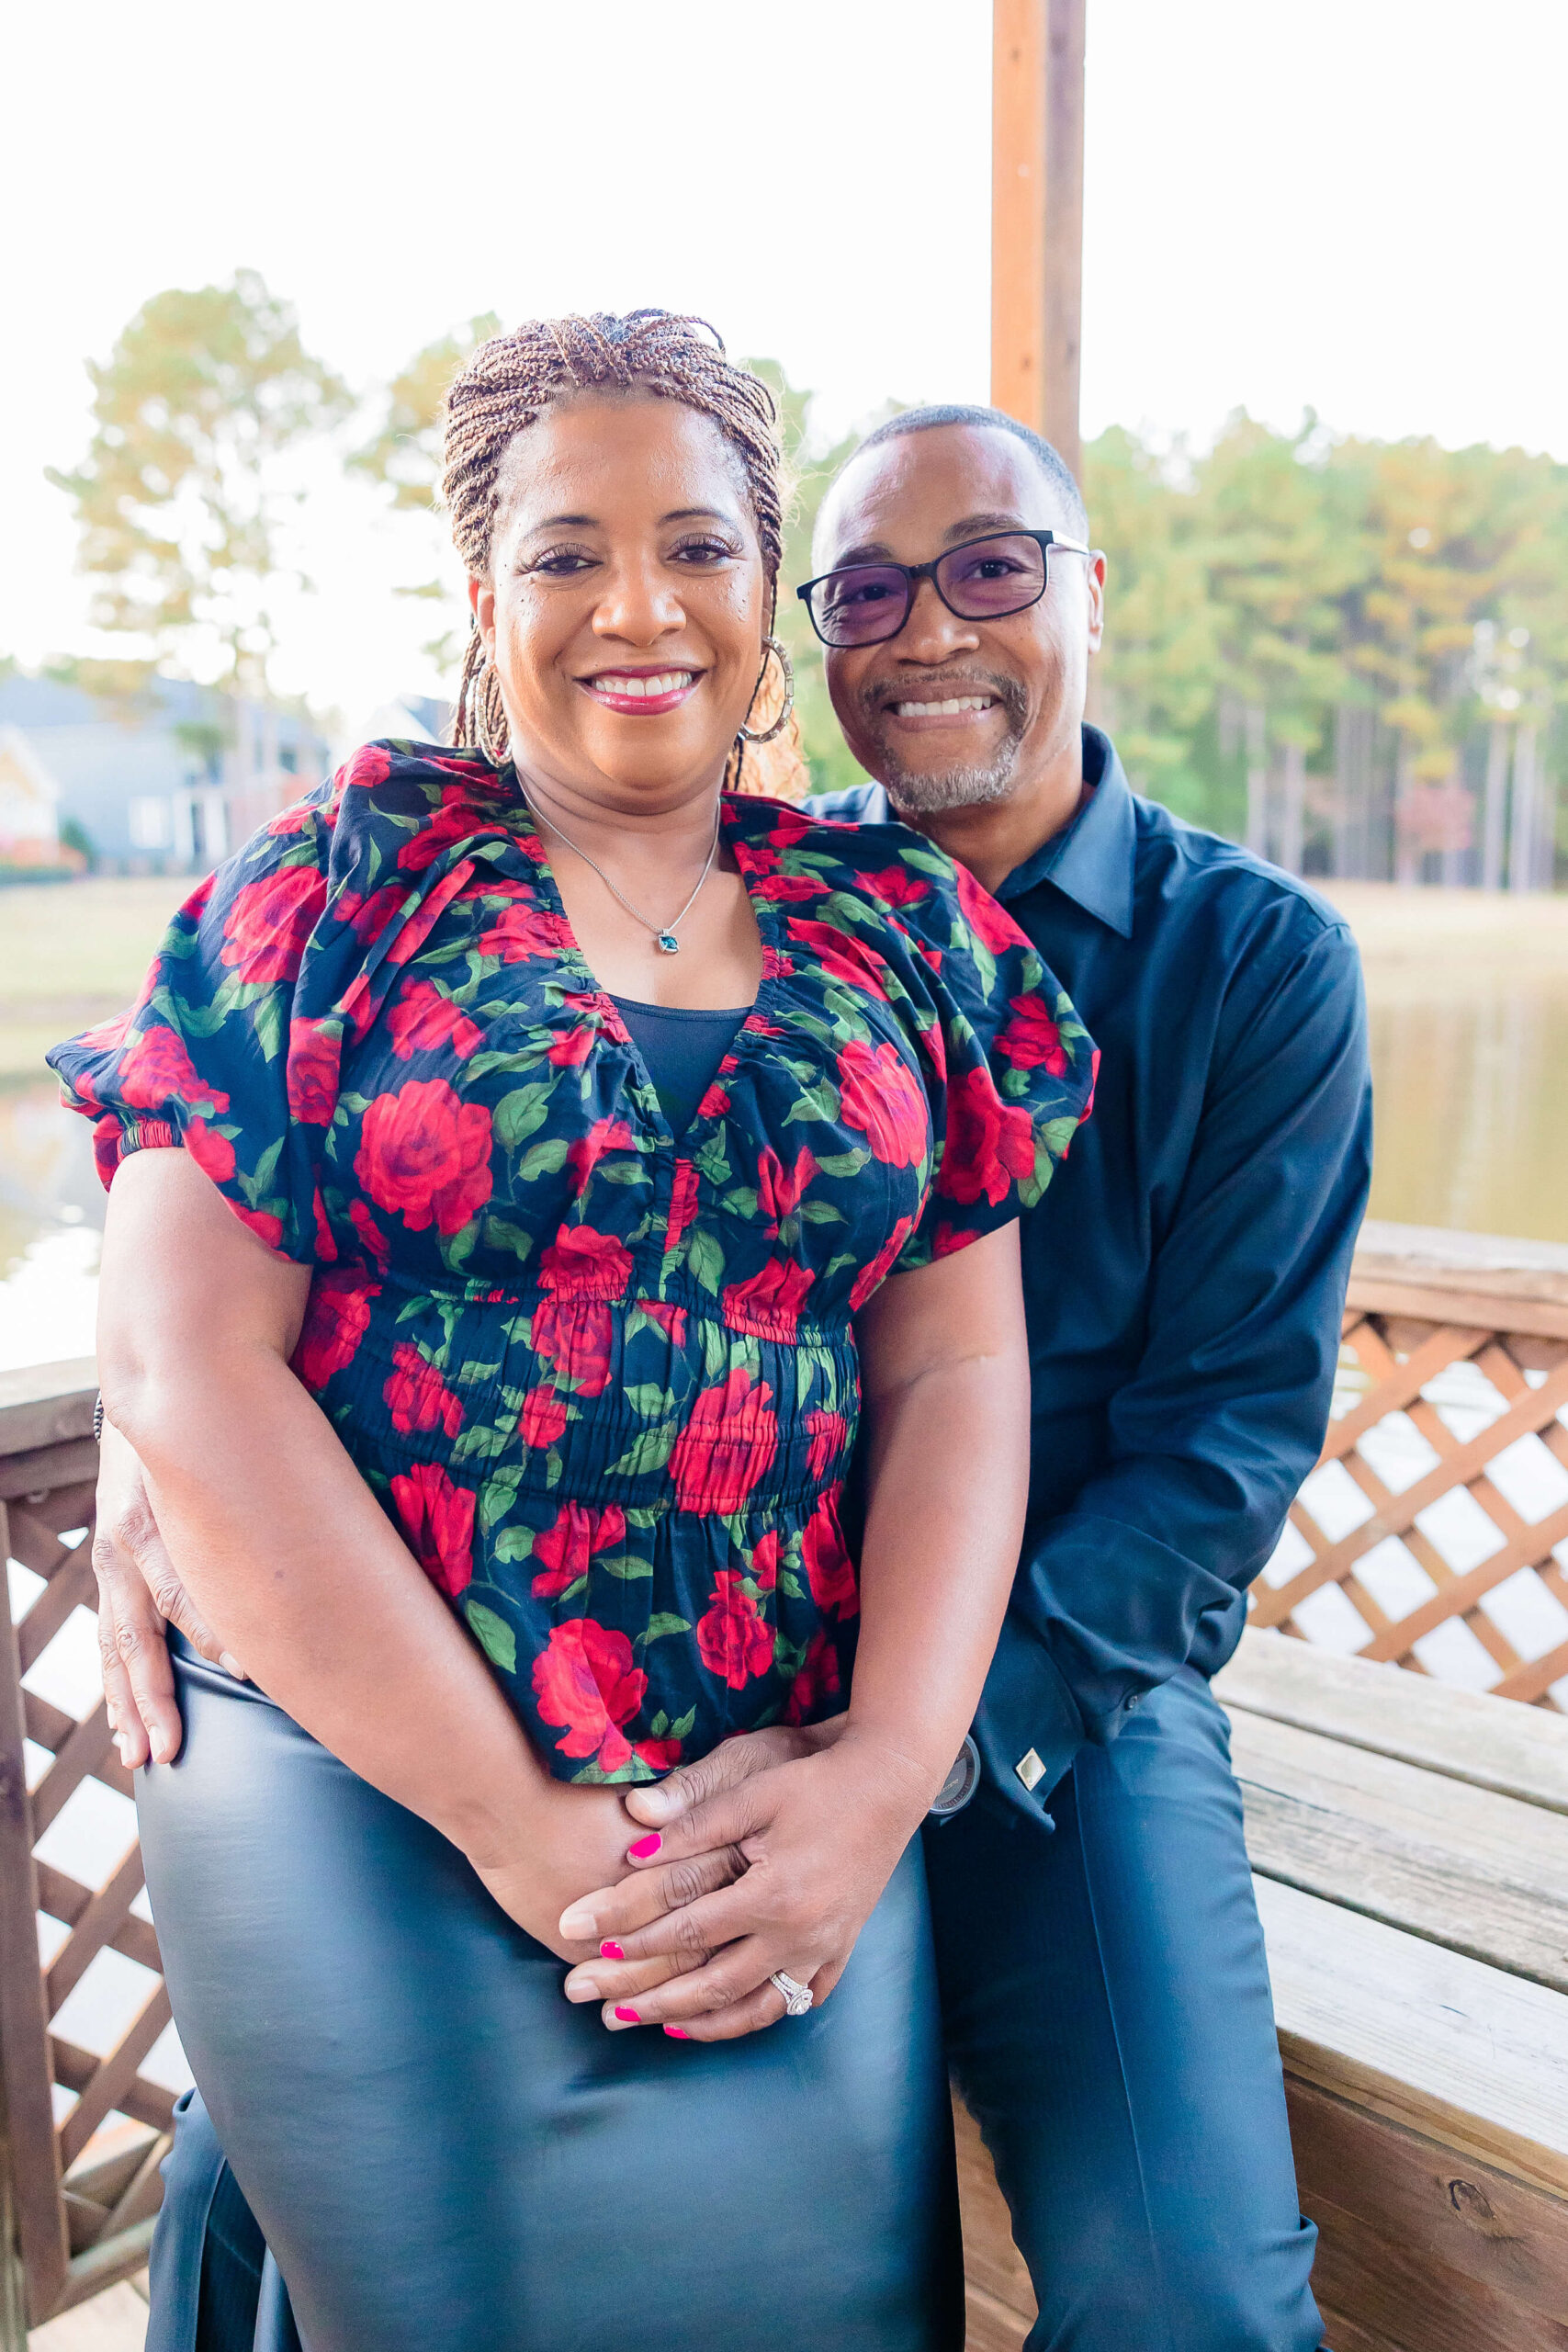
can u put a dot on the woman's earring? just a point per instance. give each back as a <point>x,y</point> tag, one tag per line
<point>776,647</point>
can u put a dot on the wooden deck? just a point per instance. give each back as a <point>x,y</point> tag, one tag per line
<point>1410,1849</point>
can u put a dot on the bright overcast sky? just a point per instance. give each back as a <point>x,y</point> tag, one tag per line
<point>1355,204</point>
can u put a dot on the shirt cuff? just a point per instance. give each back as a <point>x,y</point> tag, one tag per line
<point>1028,1729</point>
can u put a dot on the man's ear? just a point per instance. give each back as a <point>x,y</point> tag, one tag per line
<point>1095,568</point>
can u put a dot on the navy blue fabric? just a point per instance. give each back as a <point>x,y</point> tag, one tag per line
<point>1185,1274</point>
<point>1106,2005</point>
<point>681,1049</point>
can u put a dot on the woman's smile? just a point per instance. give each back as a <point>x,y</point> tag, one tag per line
<point>641,694</point>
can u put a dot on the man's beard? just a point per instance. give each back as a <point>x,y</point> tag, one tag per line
<point>926,793</point>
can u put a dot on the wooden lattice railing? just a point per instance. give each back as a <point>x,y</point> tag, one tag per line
<point>85,2129</point>
<point>1438,1514</point>
<point>1434,1531</point>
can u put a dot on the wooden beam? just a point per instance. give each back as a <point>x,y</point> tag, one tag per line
<point>1037,90</point>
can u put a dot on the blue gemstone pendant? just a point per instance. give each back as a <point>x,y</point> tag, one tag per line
<point>668,943</point>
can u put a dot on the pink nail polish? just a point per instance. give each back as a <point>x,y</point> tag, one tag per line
<point>646,1846</point>
<point>611,1950</point>
<point>629,2016</point>
<point>677,2033</point>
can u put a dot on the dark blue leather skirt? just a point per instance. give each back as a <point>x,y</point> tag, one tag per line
<point>443,2152</point>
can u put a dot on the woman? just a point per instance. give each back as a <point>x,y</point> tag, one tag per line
<point>577,1123</point>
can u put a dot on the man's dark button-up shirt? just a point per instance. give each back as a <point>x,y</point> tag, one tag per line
<point>1185,1273</point>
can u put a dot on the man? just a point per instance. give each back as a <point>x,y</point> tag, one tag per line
<point>1102,1971</point>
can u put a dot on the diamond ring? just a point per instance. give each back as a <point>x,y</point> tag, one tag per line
<point>797,1997</point>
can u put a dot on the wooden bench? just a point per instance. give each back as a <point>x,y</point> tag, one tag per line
<point>1410,1850</point>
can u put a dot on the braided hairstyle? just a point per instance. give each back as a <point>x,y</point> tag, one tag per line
<point>511,379</point>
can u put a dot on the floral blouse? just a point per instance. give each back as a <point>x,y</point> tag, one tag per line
<point>603,1377</point>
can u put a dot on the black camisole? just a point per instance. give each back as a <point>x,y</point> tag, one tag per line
<point>683,1049</point>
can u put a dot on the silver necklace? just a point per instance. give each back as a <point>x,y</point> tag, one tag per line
<point>663,934</point>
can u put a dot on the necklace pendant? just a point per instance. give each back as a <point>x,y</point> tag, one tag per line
<point>668,943</point>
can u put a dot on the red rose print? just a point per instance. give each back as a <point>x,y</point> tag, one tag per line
<point>734,1640</point>
<point>728,1442</point>
<point>843,956</point>
<point>765,1561</point>
<point>816,1683</point>
<point>264,1225</point>
<point>567,1548</point>
<point>990,1144</point>
<point>337,1314</point>
<point>683,1204</point>
<point>935,1044</point>
<point>570,1048</point>
<point>948,1239</point>
<point>581,1263</point>
<point>520,932</point>
<point>672,1320</point>
<point>880,1096</point>
<point>585,1152</point>
<point>326,1240</point>
<point>730,1439</point>
<point>369,766</point>
<point>988,922</point>
<point>213,1154</point>
<point>367,916</point>
<point>782,890</point>
<point>770,1302</point>
<point>457,820</point>
<point>315,1049</point>
<point>108,1143</point>
<point>422,1020</point>
<point>438,1520</point>
<point>157,1070</point>
<point>829,1434</point>
<point>781,1191</point>
<point>101,1040</point>
<point>896,887</point>
<point>828,1567</point>
<point>543,1418</point>
<point>1031,1039</point>
<point>871,1276</point>
<point>426,1154</point>
<point>369,1232</point>
<point>586,1682</point>
<point>576,1337</point>
<point>418,1396</point>
<point>268,921</point>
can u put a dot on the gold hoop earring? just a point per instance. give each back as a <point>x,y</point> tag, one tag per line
<point>776,647</point>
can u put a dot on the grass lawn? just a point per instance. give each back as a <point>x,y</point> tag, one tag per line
<point>73,953</point>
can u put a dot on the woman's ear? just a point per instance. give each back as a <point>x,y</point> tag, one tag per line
<point>481,604</point>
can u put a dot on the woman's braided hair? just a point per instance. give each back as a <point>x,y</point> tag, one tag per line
<point>511,379</point>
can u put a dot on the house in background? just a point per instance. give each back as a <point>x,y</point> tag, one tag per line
<point>30,821</point>
<point>165,780</point>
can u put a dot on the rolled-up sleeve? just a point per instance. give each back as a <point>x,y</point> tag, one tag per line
<point>1226,1411</point>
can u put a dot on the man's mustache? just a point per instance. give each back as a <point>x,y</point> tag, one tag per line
<point>939,686</point>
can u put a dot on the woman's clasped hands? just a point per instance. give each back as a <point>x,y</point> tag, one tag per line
<point>767,1855</point>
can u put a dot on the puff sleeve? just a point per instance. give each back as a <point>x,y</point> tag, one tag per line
<point>213,1056</point>
<point>1010,1066</point>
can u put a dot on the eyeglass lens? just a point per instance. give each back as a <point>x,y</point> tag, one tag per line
<point>985,580</point>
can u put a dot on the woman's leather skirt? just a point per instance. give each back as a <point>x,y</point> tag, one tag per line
<point>443,2153</point>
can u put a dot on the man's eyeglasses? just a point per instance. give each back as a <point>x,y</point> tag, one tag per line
<point>983,580</point>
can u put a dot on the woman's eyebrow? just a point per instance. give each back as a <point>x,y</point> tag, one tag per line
<point>697,513</point>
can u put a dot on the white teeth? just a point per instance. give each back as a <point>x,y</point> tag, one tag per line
<point>948,709</point>
<point>668,682</point>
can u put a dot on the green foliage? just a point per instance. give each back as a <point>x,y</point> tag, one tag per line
<point>175,500</point>
<point>1257,592</point>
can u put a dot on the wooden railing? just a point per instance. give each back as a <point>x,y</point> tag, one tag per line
<point>1454,1376</point>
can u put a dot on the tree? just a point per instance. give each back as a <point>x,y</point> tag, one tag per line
<point>178,499</point>
<point>403,457</point>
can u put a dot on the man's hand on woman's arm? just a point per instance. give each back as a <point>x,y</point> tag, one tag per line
<point>946,1380</point>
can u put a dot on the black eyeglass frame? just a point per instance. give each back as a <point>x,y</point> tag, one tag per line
<point>915,572</point>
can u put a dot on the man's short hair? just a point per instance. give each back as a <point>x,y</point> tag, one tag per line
<point>1052,463</point>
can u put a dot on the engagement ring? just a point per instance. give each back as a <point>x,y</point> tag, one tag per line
<point>797,1997</point>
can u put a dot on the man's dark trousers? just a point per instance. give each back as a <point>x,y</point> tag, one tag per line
<point>1106,2002</point>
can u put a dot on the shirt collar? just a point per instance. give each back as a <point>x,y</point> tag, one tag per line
<point>1091,859</point>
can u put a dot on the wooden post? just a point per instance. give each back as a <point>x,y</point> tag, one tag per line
<point>1037,81</point>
